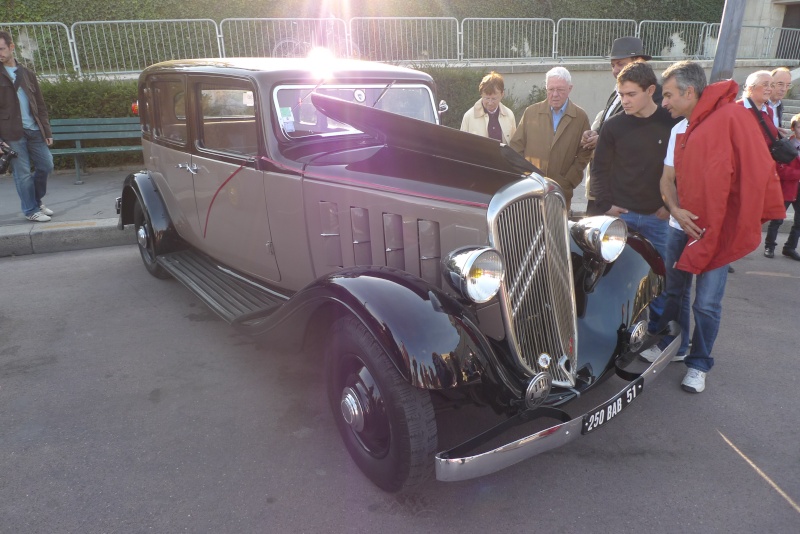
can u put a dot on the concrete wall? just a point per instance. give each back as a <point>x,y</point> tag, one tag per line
<point>764,13</point>
<point>592,81</point>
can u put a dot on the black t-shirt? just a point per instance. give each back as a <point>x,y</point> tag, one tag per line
<point>628,161</point>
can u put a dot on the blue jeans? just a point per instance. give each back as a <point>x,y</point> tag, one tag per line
<point>655,230</point>
<point>707,305</point>
<point>31,150</point>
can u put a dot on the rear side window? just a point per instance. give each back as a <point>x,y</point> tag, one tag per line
<point>170,111</point>
<point>227,118</point>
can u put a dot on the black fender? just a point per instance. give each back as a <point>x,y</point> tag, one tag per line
<point>616,302</point>
<point>140,185</point>
<point>432,339</point>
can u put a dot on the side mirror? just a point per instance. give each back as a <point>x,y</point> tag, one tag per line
<point>442,106</point>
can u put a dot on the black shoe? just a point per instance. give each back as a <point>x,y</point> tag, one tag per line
<point>791,253</point>
<point>769,252</point>
<point>731,269</point>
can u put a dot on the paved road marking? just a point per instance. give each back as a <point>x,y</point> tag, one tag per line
<point>762,474</point>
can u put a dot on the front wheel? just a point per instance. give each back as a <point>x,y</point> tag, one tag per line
<point>387,425</point>
<point>145,240</point>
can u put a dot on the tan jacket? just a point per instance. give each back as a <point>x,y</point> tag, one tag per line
<point>559,155</point>
<point>476,121</point>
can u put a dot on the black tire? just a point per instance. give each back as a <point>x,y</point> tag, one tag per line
<point>396,447</point>
<point>146,242</point>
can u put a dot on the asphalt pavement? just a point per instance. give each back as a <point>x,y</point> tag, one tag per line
<point>85,216</point>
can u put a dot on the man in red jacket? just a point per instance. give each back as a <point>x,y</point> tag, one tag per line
<point>720,187</point>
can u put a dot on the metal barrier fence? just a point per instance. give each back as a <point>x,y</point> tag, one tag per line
<point>507,39</point>
<point>128,46</point>
<point>787,43</point>
<point>673,40</point>
<point>406,39</point>
<point>589,38</point>
<point>45,47</point>
<point>754,41</point>
<point>284,37</point>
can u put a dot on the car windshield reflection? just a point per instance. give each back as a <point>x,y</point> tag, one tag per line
<point>299,118</point>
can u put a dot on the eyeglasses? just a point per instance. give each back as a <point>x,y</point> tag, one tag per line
<point>782,85</point>
<point>491,99</point>
<point>557,90</point>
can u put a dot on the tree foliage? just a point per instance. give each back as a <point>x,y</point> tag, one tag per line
<point>69,11</point>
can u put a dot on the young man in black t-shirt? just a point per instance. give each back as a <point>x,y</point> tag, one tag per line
<point>629,159</point>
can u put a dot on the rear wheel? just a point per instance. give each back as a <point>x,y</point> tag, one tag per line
<point>387,425</point>
<point>146,242</point>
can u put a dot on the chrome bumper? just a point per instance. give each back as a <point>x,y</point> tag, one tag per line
<point>454,469</point>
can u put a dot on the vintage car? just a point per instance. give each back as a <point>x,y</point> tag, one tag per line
<point>303,200</point>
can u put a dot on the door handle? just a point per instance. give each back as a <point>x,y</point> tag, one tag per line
<point>191,168</point>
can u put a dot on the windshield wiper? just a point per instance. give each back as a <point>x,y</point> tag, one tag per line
<point>383,93</point>
<point>307,95</point>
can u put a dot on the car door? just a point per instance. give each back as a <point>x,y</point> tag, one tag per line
<point>169,155</point>
<point>229,189</point>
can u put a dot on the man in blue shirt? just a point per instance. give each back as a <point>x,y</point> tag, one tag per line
<point>25,128</point>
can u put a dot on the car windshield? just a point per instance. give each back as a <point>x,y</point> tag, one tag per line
<point>299,117</point>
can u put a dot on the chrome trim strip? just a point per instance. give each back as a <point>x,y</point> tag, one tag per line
<point>454,469</point>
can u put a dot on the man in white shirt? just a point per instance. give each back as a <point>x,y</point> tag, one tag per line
<point>781,83</point>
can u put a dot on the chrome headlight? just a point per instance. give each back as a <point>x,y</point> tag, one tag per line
<point>476,273</point>
<point>602,236</point>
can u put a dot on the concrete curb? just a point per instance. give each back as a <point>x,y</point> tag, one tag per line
<point>40,238</point>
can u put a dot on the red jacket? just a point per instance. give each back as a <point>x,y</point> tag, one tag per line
<point>790,179</point>
<point>725,179</point>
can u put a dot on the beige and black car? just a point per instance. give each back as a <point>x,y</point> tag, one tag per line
<point>302,200</point>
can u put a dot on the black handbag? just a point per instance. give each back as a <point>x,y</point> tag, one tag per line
<point>782,150</point>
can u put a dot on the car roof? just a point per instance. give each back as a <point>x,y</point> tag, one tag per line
<point>292,69</point>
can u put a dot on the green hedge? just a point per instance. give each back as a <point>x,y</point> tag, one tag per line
<point>459,87</point>
<point>71,97</point>
<point>69,11</point>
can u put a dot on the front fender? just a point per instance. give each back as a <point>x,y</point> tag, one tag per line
<point>140,185</point>
<point>432,339</point>
<point>617,301</point>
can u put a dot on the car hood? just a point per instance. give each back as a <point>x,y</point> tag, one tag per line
<point>430,139</point>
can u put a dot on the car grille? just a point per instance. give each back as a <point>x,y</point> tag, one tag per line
<point>530,230</point>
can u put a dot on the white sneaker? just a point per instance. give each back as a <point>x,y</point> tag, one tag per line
<point>38,217</point>
<point>44,209</point>
<point>694,381</point>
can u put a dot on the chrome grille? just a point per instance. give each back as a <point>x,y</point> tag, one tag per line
<point>530,229</point>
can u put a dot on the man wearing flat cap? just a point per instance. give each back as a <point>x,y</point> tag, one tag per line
<point>624,50</point>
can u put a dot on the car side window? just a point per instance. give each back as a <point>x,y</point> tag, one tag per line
<point>170,117</point>
<point>227,118</point>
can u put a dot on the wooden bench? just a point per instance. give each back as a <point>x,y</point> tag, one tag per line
<point>85,129</point>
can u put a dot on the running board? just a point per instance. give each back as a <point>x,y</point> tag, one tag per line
<point>233,297</point>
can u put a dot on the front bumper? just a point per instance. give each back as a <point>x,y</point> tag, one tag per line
<point>451,469</point>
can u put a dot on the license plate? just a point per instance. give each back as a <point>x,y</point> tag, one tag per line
<point>606,412</point>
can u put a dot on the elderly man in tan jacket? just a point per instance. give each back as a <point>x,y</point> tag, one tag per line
<point>549,134</point>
